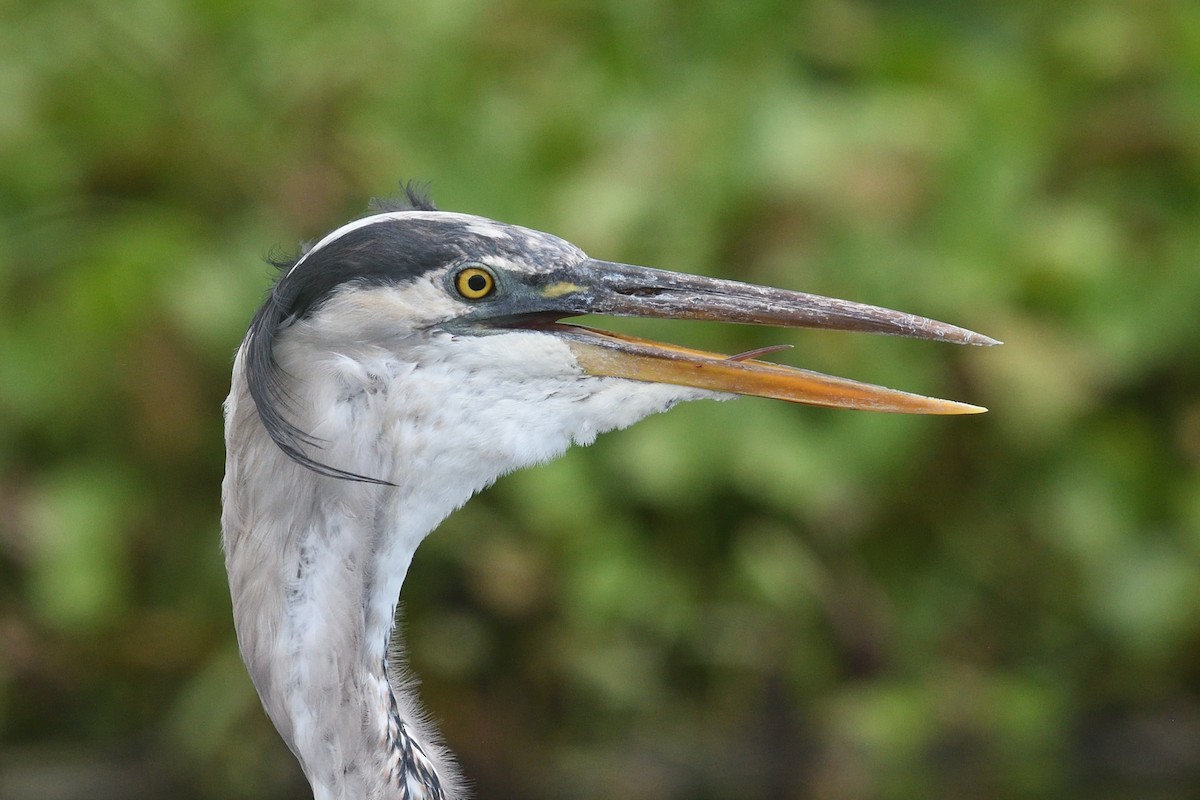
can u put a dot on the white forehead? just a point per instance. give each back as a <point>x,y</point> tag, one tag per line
<point>480,226</point>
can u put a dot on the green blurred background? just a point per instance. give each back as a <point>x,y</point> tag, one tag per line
<point>737,600</point>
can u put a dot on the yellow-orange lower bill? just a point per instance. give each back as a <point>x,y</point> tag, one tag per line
<point>613,355</point>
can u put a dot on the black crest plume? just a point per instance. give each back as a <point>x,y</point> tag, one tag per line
<point>264,376</point>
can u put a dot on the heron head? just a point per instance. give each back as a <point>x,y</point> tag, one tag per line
<point>443,286</point>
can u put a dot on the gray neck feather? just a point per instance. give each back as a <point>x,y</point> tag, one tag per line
<point>316,564</point>
<point>315,572</point>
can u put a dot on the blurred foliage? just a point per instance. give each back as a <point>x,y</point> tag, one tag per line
<point>728,601</point>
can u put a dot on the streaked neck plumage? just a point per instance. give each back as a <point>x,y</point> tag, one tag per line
<point>315,569</point>
<point>316,563</point>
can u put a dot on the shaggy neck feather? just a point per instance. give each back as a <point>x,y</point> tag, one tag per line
<point>316,564</point>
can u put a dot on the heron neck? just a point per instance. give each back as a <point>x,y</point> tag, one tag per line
<point>315,578</point>
<point>316,564</point>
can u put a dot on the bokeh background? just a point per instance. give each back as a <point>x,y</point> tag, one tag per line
<point>733,600</point>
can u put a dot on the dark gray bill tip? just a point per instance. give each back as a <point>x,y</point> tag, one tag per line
<point>957,335</point>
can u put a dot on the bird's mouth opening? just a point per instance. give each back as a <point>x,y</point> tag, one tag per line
<point>611,289</point>
<point>608,354</point>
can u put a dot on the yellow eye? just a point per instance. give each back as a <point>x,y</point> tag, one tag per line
<point>475,283</point>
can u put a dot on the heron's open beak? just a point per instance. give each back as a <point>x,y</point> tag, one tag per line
<point>602,287</point>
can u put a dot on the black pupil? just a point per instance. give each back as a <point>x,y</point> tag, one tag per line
<point>477,283</point>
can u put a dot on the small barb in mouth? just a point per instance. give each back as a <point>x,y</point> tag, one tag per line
<point>759,351</point>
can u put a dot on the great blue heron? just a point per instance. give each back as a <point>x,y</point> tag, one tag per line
<point>403,363</point>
